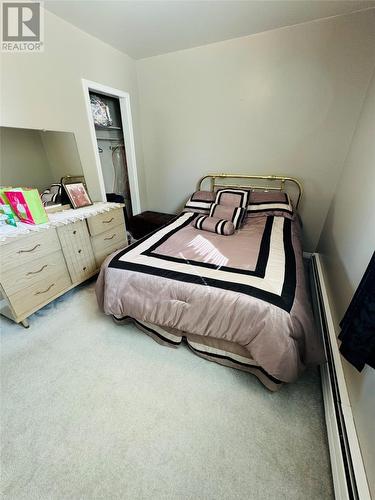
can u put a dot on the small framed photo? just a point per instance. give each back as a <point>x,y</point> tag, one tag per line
<point>77,194</point>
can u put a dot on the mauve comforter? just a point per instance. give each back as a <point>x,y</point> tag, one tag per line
<point>248,288</point>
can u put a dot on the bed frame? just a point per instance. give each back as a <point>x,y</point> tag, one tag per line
<point>274,183</point>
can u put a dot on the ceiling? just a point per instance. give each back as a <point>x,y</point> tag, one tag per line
<point>148,28</point>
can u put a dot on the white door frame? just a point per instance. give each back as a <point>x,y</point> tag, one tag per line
<point>127,130</point>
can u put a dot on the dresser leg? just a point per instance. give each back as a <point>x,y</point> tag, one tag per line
<point>25,323</point>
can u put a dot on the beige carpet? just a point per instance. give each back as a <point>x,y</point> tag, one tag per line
<point>93,410</point>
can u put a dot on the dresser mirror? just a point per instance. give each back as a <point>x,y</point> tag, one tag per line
<point>37,158</point>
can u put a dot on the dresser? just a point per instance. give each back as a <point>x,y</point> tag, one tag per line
<point>39,264</point>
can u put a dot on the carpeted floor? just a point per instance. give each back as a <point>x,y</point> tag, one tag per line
<point>93,410</point>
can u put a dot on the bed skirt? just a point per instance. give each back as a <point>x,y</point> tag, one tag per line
<point>220,351</point>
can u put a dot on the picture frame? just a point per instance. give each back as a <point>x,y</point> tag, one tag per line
<point>77,193</point>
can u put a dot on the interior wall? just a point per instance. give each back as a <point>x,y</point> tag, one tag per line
<point>44,90</point>
<point>23,161</point>
<point>346,244</point>
<point>282,102</point>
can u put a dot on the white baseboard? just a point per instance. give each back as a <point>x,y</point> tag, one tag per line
<point>348,472</point>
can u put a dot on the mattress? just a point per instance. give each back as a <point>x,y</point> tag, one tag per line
<point>247,290</point>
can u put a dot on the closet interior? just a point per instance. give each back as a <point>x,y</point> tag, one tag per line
<point>107,117</point>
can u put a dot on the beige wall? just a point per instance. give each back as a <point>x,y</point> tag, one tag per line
<point>23,161</point>
<point>347,243</point>
<point>44,91</point>
<point>284,101</point>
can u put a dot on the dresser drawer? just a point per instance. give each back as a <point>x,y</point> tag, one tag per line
<point>34,272</point>
<point>39,293</point>
<point>106,243</point>
<point>75,233</point>
<point>81,267</point>
<point>27,248</point>
<point>76,245</point>
<point>104,222</point>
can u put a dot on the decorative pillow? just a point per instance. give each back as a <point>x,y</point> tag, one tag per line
<point>200,202</point>
<point>270,203</point>
<point>233,214</point>
<point>214,225</point>
<point>232,197</point>
<point>268,197</point>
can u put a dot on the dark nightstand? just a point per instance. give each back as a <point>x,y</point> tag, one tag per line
<point>142,224</point>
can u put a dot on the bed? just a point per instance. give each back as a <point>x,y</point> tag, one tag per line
<point>239,300</point>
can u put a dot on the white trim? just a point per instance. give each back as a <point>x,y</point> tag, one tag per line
<point>160,330</point>
<point>199,204</point>
<point>127,128</point>
<point>338,470</point>
<point>252,207</point>
<point>207,349</point>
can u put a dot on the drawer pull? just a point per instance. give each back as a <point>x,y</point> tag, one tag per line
<point>84,269</point>
<point>46,290</point>
<point>107,221</point>
<point>37,272</point>
<point>110,237</point>
<point>79,251</point>
<point>31,249</point>
<point>74,232</point>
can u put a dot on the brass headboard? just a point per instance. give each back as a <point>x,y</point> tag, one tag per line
<point>276,183</point>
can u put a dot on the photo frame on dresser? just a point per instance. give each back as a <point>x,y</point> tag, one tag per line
<point>75,191</point>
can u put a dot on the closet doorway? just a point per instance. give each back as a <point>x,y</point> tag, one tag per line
<point>112,136</point>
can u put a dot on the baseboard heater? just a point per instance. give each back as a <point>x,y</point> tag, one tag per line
<point>348,472</point>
